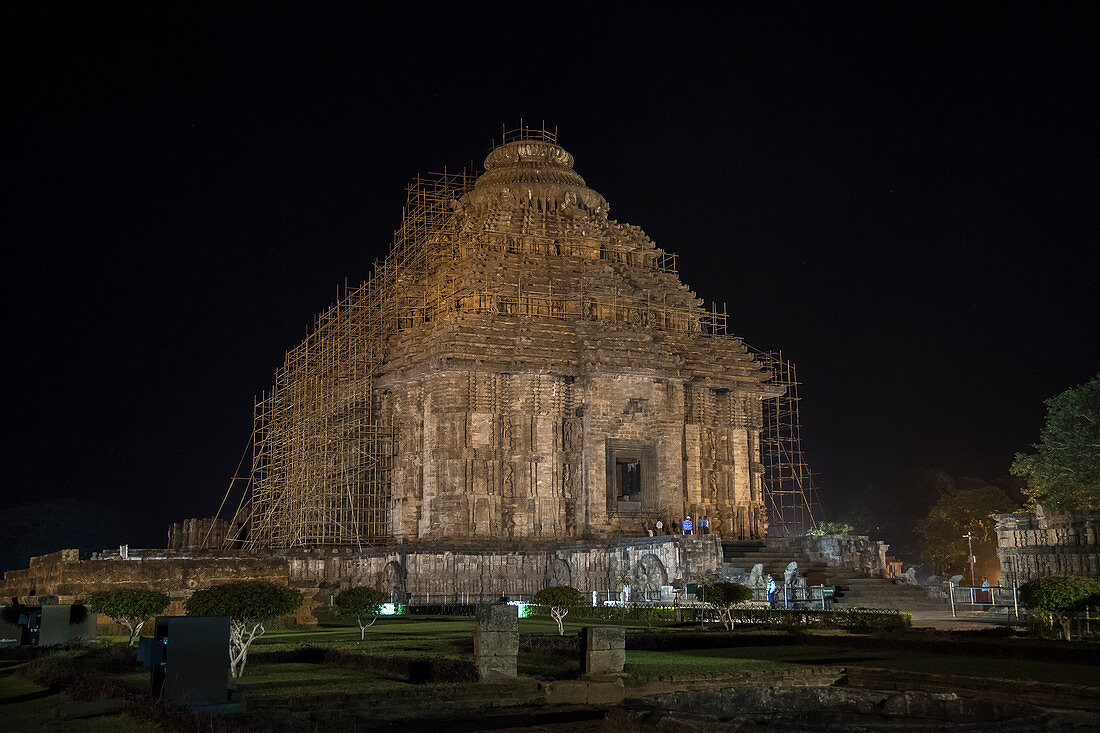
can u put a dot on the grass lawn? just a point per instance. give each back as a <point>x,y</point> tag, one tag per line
<point>973,666</point>
<point>447,637</point>
<point>284,681</point>
<point>26,707</point>
<point>692,662</point>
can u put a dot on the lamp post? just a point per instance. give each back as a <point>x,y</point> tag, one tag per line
<point>970,555</point>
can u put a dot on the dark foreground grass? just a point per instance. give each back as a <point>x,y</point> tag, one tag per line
<point>270,684</point>
<point>27,707</point>
<point>716,661</point>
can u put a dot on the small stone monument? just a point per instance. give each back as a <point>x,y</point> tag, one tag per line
<point>604,650</point>
<point>54,625</point>
<point>496,642</point>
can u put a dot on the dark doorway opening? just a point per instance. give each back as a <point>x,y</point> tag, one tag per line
<point>631,476</point>
<point>629,480</point>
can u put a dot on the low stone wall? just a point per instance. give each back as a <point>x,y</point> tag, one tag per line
<point>441,572</point>
<point>1038,545</point>
<point>854,552</point>
<point>62,577</point>
<point>482,572</point>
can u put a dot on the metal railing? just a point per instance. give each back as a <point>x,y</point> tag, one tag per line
<point>991,596</point>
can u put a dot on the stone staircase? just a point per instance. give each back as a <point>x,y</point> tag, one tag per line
<point>856,589</point>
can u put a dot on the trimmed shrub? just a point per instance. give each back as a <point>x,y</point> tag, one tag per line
<point>249,605</point>
<point>129,606</point>
<point>559,599</point>
<point>1054,599</point>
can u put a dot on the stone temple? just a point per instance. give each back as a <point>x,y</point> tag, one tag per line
<point>521,387</point>
<point>522,367</point>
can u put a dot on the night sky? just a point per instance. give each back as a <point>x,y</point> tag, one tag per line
<point>902,196</point>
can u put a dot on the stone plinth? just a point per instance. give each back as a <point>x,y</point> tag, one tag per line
<point>604,650</point>
<point>496,642</point>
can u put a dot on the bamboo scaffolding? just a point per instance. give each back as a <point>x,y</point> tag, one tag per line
<point>322,449</point>
<point>789,491</point>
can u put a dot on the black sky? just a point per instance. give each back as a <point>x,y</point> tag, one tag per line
<point>903,197</point>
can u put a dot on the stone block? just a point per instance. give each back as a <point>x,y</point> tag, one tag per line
<point>496,642</point>
<point>604,650</point>
<point>494,669</point>
<point>498,617</point>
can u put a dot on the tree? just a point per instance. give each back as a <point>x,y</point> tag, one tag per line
<point>1056,598</point>
<point>722,597</point>
<point>1064,471</point>
<point>249,605</point>
<point>625,580</point>
<point>360,604</point>
<point>965,506</point>
<point>559,599</point>
<point>129,606</point>
<point>832,528</point>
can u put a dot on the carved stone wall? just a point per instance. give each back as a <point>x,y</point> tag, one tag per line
<point>191,534</point>
<point>561,346</point>
<point>1039,545</point>
<point>447,572</point>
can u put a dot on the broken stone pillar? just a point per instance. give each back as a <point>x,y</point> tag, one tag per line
<point>604,650</point>
<point>496,642</point>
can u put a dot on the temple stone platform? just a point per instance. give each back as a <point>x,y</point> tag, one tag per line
<point>451,572</point>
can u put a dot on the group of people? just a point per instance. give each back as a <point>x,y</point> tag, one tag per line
<point>683,526</point>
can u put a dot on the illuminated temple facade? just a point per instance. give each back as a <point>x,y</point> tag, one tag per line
<point>521,367</point>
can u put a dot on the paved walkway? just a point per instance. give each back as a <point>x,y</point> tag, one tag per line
<point>963,621</point>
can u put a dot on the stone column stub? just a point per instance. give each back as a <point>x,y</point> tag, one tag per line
<point>496,642</point>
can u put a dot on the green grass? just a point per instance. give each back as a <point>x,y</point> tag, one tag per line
<point>1077,674</point>
<point>284,681</point>
<point>692,663</point>
<point>26,707</point>
<point>451,637</point>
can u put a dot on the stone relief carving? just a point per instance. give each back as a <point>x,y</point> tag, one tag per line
<point>393,581</point>
<point>650,574</point>
<point>558,573</point>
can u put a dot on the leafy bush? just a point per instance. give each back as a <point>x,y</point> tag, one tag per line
<point>249,605</point>
<point>832,528</point>
<point>723,597</point>
<point>858,619</point>
<point>360,604</point>
<point>724,594</point>
<point>129,606</point>
<point>646,614</point>
<point>559,599</point>
<point>1054,599</point>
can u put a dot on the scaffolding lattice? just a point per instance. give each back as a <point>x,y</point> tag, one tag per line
<point>322,449</point>
<point>323,452</point>
<point>789,491</point>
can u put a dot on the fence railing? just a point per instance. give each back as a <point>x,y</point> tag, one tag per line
<point>784,596</point>
<point>988,596</point>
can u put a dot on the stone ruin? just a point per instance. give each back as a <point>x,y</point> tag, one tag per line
<point>521,367</point>
<point>518,391</point>
<point>1040,544</point>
